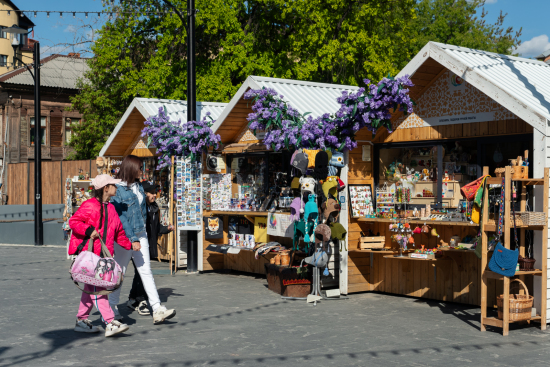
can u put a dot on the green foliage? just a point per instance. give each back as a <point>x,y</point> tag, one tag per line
<point>461,23</point>
<point>332,41</point>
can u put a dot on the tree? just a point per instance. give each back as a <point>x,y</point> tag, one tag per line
<point>456,22</point>
<point>331,41</point>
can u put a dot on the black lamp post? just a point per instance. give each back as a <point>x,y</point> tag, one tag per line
<point>192,236</point>
<point>38,225</point>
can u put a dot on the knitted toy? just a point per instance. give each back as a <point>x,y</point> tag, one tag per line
<point>321,166</point>
<point>337,159</point>
<point>329,207</point>
<point>311,216</point>
<point>330,186</point>
<point>307,187</point>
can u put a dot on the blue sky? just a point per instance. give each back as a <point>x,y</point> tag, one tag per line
<point>54,31</point>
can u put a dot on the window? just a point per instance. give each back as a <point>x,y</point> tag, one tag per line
<point>2,33</point>
<point>69,123</point>
<point>24,40</point>
<point>3,60</point>
<point>42,130</point>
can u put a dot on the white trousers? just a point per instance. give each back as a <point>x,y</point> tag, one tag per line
<point>143,265</point>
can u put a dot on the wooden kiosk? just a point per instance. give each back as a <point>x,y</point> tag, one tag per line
<point>490,103</point>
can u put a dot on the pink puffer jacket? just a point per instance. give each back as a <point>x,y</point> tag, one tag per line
<point>86,219</point>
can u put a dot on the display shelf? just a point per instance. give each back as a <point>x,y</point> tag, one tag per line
<point>375,251</point>
<point>507,241</point>
<point>227,212</point>
<point>455,250</point>
<point>418,221</point>
<point>415,259</point>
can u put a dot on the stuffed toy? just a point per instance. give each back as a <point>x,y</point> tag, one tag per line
<point>337,159</point>
<point>321,166</point>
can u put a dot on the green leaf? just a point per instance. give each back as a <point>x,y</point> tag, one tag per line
<point>341,147</point>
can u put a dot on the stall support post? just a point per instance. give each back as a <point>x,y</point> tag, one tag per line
<point>171,235</point>
<point>484,258</point>
<point>38,225</point>
<point>440,176</point>
<point>192,251</point>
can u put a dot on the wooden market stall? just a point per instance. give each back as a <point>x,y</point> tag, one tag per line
<point>126,139</point>
<point>241,143</point>
<point>489,107</point>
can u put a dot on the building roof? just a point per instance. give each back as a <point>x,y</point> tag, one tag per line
<point>520,85</point>
<point>316,98</point>
<point>24,20</point>
<point>543,55</point>
<point>147,107</point>
<point>57,71</point>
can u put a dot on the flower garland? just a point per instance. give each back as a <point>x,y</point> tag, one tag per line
<point>286,127</point>
<point>172,138</point>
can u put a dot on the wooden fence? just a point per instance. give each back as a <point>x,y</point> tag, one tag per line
<point>20,180</point>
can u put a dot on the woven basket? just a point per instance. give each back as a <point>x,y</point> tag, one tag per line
<point>519,219</point>
<point>520,304</point>
<point>532,218</point>
<point>526,264</point>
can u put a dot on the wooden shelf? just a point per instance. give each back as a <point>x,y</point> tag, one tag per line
<point>415,259</point>
<point>252,214</point>
<point>506,241</point>
<point>456,250</point>
<point>419,221</point>
<point>524,181</point>
<point>493,227</point>
<point>493,321</point>
<point>375,251</point>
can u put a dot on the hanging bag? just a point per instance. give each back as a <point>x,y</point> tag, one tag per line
<point>91,269</point>
<point>469,190</point>
<point>504,261</point>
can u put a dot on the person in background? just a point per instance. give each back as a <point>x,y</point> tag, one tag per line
<point>138,296</point>
<point>129,202</point>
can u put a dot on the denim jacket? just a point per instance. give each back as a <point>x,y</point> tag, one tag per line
<point>131,213</point>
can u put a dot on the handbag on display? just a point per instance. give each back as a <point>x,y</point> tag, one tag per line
<point>469,190</point>
<point>91,269</point>
<point>504,261</point>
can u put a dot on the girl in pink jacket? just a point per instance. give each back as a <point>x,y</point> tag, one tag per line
<point>97,217</point>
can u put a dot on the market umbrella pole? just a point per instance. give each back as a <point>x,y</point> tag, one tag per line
<point>191,116</point>
<point>38,225</point>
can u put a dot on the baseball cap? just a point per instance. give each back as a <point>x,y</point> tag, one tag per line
<point>147,187</point>
<point>101,181</point>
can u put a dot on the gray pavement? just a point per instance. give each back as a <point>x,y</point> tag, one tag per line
<point>233,320</point>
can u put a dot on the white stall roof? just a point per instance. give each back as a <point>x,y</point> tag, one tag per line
<point>147,107</point>
<point>317,98</point>
<point>520,85</point>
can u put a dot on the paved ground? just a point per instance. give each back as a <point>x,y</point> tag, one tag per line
<point>233,320</point>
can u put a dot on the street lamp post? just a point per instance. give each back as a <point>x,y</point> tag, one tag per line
<point>38,225</point>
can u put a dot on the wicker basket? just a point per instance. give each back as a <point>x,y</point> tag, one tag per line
<point>520,304</point>
<point>526,264</point>
<point>519,219</point>
<point>531,218</point>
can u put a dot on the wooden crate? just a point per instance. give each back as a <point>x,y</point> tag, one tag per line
<point>372,242</point>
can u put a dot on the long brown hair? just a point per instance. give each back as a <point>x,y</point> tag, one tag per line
<point>98,194</point>
<point>130,169</point>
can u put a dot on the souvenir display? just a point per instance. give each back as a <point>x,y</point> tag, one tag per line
<point>384,202</point>
<point>360,199</point>
<point>187,187</point>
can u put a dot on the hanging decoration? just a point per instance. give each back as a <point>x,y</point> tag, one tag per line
<point>369,107</point>
<point>188,139</point>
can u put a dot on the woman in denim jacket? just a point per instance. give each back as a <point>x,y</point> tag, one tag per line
<point>129,203</point>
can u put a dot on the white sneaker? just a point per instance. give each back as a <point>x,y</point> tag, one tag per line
<point>118,316</point>
<point>85,326</point>
<point>115,327</point>
<point>162,314</point>
<point>143,309</point>
<point>134,303</point>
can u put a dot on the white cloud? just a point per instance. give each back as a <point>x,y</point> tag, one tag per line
<point>491,1</point>
<point>534,47</point>
<point>70,28</point>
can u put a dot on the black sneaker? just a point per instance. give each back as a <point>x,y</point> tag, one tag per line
<point>134,303</point>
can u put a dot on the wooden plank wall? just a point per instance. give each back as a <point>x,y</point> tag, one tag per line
<point>471,130</point>
<point>20,180</point>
